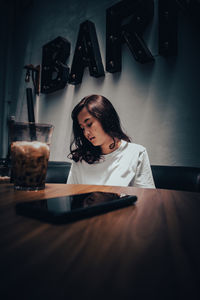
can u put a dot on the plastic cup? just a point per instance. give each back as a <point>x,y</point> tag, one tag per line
<point>29,149</point>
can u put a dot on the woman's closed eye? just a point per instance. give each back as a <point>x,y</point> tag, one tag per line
<point>87,125</point>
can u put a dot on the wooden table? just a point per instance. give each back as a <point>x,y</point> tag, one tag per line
<point>147,251</point>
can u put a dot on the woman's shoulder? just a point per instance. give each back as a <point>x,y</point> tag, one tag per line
<point>133,147</point>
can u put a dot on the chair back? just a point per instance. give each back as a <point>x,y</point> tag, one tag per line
<point>57,171</point>
<point>165,177</point>
<point>176,178</point>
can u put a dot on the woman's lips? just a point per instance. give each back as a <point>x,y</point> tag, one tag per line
<point>92,138</point>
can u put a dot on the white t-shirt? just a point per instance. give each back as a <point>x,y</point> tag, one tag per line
<point>127,166</point>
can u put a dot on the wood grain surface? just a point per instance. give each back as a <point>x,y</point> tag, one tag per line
<point>150,250</point>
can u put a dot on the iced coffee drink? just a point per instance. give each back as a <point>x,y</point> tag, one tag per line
<point>29,164</point>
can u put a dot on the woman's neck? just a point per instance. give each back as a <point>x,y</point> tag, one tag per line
<point>113,145</point>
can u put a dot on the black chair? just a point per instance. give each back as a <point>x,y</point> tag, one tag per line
<point>165,177</point>
<point>177,178</point>
<point>57,171</point>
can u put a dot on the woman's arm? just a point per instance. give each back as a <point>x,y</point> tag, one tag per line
<point>72,178</point>
<point>143,177</point>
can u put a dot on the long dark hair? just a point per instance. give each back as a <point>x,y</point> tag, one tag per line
<point>102,109</point>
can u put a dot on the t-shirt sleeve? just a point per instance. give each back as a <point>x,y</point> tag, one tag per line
<point>143,177</point>
<point>72,178</point>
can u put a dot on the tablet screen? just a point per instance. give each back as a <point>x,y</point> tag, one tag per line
<point>78,205</point>
<point>80,201</point>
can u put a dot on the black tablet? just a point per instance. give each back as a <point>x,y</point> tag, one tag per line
<point>74,207</point>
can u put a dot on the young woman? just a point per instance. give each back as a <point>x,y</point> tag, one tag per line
<point>102,153</point>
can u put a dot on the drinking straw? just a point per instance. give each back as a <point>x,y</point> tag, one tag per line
<point>31,116</point>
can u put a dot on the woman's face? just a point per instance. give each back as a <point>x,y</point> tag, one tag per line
<point>93,130</point>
